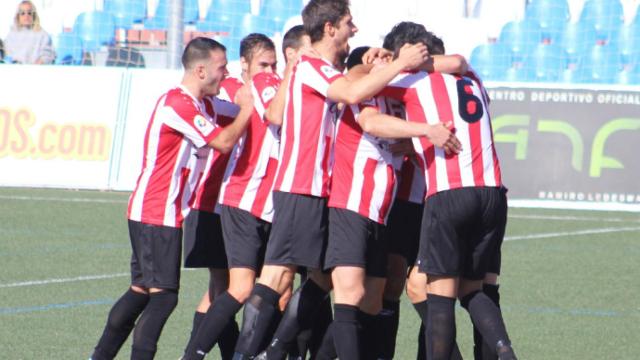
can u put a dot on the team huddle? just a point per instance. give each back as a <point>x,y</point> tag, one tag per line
<point>364,172</point>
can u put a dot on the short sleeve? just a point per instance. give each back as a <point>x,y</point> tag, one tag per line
<point>182,114</point>
<point>317,74</point>
<point>265,86</point>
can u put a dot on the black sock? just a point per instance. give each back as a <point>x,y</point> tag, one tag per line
<point>486,316</point>
<point>388,320</point>
<point>346,331</point>
<point>120,322</point>
<point>151,322</point>
<point>321,323</point>
<point>422,346</point>
<point>220,313</point>
<point>369,344</point>
<point>327,348</point>
<point>481,350</point>
<point>441,327</point>
<point>258,313</point>
<point>228,338</point>
<point>197,320</point>
<point>422,308</point>
<point>298,316</point>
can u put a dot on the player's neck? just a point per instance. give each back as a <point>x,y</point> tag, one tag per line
<point>193,88</point>
<point>327,50</point>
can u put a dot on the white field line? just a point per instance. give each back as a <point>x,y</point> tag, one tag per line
<point>46,198</point>
<point>570,218</point>
<point>68,280</point>
<point>571,233</point>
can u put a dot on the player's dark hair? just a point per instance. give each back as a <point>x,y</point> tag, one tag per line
<point>355,58</point>
<point>319,12</point>
<point>254,42</point>
<point>408,32</point>
<point>293,38</point>
<point>199,49</point>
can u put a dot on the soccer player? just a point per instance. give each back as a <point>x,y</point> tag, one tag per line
<point>245,195</point>
<point>203,243</point>
<point>465,213</point>
<point>179,130</point>
<point>299,231</point>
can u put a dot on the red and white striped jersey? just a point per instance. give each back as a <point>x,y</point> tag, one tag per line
<point>249,177</point>
<point>409,176</point>
<point>308,129</point>
<point>363,177</point>
<point>210,164</point>
<point>178,127</point>
<point>228,88</point>
<point>436,97</point>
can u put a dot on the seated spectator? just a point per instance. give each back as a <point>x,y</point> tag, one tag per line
<point>27,42</point>
<point>1,52</point>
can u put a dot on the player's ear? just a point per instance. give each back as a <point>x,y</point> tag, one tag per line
<point>329,29</point>
<point>244,64</point>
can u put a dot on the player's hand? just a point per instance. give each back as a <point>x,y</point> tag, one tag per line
<point>441,135</point>
<point>308,51</point>
<point>374,55</point>
<point>412,56</point>
<point>401,147</point>
<point>243,97</point>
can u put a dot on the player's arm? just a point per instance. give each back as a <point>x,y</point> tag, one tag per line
<point>386,126</point>
<point>229,135</point>
<point>275,110</point>
<point>448,64</point>
<point>353,92</point>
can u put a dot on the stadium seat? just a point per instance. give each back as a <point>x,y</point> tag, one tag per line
<point>600,65</point>
<point>279,11</point>
<point>629,76</point>
<point>546,63</point>
<point>68,49</point>
<point>126,12</point>
<point>491,61</point>
<point>95,28</point>
<point>628,41</point>
<point>606,16</point>
<point>160,20</point>
<point>552,15</point>
<point>125,57</point>
<point>521,37</point>
<point>577,39</point>
<point>223,14</point>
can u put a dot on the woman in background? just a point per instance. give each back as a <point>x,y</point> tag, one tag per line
<point>27,42</point>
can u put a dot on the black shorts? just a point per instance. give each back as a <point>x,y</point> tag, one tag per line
<point>299,231</point>
<point>155,258</point>
<point>403,229</point>
<point>203,244</point>
<point>355,240</point>
<point>462,230</point>
<point>245,238</point>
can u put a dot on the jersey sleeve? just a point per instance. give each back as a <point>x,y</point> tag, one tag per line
<point>228,88</point>
<point>223,112</point>
<point>317,74</point>
<point>265,86</point>
<point>182,114</point>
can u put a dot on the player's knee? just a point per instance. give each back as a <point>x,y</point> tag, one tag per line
<point>277,277</point>
<point>393,288</point>
<point>416,290</point>
<point>240,292</point>
<point>163,302</point>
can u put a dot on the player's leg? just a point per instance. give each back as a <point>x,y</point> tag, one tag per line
<point>372,325</point>
<point>348,287</point>
<point>161,274</point>
<point>124,313</point>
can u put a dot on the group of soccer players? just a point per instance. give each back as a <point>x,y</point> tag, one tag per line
<point>360,180</point>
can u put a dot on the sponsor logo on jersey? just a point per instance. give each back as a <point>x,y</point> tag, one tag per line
<point>329,71</point>
<point>268,93</point>
<point>203,125</point>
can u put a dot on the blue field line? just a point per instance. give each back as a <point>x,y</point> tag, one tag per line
<point>69,305</point>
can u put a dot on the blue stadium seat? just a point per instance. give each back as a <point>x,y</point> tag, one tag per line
<point>629,76</point>
<point>600,65</point>
<point>491,61</point>
<point>279,11</point>
<point>160,19</point>
<point>126,12</point>
<point>577,39</point>
<point>521,37</point>
<point>552,15</point>
<point>68,49</point>
<point>606,16</point>
<point>628,41</point>
<point>546,63</point>
<point>223,14</point>
<point>95,28</point>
